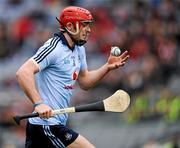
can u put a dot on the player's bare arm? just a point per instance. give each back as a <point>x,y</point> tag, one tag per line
<point>88,79</point>
<point>25,76</point>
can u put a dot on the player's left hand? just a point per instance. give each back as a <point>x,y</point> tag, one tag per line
<point>116,62</point>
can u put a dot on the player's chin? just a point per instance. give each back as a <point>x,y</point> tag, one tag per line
<point>84,39</point>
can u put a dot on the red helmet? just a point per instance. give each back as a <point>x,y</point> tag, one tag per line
<point>74,14</point>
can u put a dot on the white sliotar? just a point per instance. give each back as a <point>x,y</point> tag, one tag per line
<point>115,51</point>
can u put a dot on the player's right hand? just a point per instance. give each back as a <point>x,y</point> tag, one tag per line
<point>43,110</point>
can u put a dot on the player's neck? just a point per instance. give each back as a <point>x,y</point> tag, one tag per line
<point>69,40</point>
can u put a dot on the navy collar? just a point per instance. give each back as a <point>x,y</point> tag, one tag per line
<point>64,41</point>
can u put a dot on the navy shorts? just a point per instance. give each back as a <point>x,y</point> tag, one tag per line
<point>49,136</point>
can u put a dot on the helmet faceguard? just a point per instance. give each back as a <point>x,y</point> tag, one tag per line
<point>76,16</point>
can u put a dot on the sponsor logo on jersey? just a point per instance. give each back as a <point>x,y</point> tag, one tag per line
<point>79,58</point>
<point>73,58</point>
<point>66,61</point>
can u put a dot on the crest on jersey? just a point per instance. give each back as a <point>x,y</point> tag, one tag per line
<point>74,76</point>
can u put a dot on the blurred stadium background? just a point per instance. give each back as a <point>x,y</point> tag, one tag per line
<point>149,29</point>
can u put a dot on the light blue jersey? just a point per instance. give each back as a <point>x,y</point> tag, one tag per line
<point>59,68</point>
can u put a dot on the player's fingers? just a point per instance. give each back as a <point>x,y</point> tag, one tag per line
<point>49,114</point>
<point>121,64</point>
<point>124,59</point>
<point>117,65</point>
<point>41,114</point>
<point>124,54</point>
<point>45,114</point>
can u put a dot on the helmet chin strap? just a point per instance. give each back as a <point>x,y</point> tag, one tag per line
<point>77,29</point>
<point>70,33</point>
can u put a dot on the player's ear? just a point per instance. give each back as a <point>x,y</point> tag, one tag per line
<point>70,26</point>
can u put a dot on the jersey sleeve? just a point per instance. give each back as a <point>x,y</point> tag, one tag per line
<point>46,55</point>
<point>83,59</point>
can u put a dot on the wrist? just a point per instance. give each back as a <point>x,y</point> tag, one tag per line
<point>107,67</point>
<point>38,103</point>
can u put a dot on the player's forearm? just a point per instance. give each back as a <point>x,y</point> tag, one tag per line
<point>93,77</point>
<point>26,81</point>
